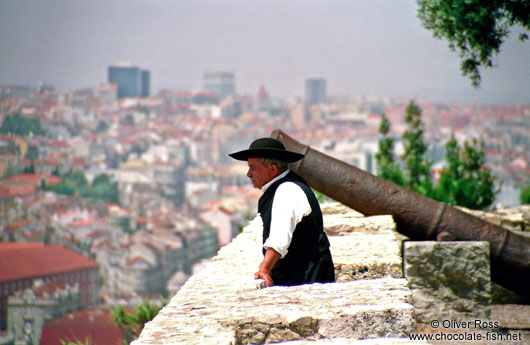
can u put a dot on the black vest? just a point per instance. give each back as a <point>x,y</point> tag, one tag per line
<point>309,244</point>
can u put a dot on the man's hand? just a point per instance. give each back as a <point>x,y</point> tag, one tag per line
<point>266,276</point>
<point>265,268</point>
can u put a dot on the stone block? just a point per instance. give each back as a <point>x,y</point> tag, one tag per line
<point>448,280</point>
<point>369,249</point>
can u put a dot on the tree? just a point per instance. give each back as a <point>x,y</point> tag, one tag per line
<point>103,189</point>
<point>474,28</point>
<point>30,169</point>
<point>387,167</point>
<point>466,180</point>
<point>524,196</point>
<point>417,164</point>
<point>64,188</point>
<point>32,153</point>
<point>21,125</point>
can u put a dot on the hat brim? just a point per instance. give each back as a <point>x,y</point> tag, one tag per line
<point>286,156</point>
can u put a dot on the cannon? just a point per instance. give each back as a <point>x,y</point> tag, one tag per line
<point>416,216</point>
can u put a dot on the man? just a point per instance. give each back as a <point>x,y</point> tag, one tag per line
<point>296,249</point>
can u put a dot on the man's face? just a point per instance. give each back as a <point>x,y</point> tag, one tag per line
<point>260,174</point>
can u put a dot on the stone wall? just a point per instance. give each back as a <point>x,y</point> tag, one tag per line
<point>223,304</point>
<point>371,303</point>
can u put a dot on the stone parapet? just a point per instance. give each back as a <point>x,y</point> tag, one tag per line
<point>223,304</point>
<point>356,310</point>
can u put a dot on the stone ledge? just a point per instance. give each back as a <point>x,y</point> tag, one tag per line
<point>221,305</point>
<point>357,309</point>
<point>366,248</point>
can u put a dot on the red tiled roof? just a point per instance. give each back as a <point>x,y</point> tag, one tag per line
<point>32,179</point>
<point>58,143</point>
<point>7,190</point>
<point>26,260</point>
<point>52,180</point>
<point>23,179</point>
<point>95,325</point>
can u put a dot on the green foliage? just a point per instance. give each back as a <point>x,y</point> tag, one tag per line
<point>475,29</point>
<point>30,169</point>
<point>133,323</point>
<point>77,179</point>
<point>321,197</point>
<point>102,187</point>
<point>524,196</point>
<point>33,153</point>
<point>465,181</point>
<point>64,188</point>
<point>387,167</point>
<point>417,164</point>
<point>72,182</point>
<point>246,218</point>
<point>21,125</point>
<point>125,225</point>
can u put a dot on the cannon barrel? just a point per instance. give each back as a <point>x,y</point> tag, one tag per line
<point>417,217</point>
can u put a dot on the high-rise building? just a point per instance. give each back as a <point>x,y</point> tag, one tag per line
<point>221,83</point>
<point>146,83</point>
<point>315,91</point>
<point>131,81</point>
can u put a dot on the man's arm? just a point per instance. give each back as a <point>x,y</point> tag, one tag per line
<point>265,268</point>
<point>289,206</point>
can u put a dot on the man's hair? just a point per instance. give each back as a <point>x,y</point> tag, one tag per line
<point>282,165</point>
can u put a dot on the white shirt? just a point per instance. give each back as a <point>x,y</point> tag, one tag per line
<point>289,206</point>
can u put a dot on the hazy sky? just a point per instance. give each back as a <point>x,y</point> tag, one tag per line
<point>370,47</point>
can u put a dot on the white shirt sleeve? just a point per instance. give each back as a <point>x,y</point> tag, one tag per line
<point>289,206</point>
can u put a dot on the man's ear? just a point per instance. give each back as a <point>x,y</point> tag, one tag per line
<point>273,168</point>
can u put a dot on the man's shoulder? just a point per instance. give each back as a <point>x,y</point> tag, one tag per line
<point>288,186</point>
<point>292,188</point>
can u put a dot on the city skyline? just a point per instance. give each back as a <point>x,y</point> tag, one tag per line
<point>368,48</point>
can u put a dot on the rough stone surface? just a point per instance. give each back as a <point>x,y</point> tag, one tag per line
<point>374,252</point>
<point>223,304</point>
<point>449,280</point>
<point>515,219</point>
<point>512,316</point>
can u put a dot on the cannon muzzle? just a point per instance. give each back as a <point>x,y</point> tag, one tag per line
<point>417,217</point>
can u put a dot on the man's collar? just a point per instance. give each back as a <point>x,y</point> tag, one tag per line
<point>268,184</point>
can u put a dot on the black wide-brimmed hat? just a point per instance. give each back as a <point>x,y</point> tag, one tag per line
<point>267,148</point>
